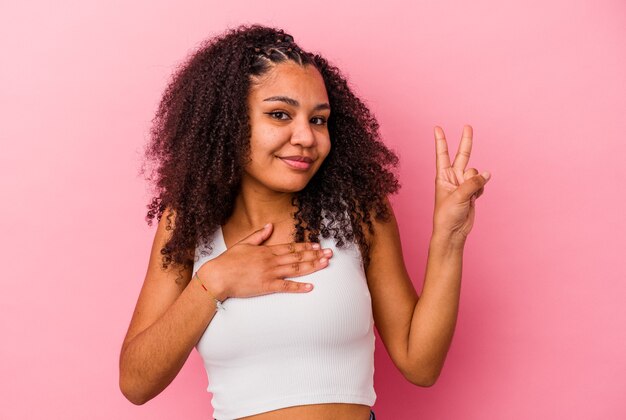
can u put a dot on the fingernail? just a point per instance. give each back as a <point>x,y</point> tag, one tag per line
<point>323,260</point>
<point>308,286</point>
<point>266,226</point>
<point>315,245</point>
<point>328,252</point>
<point>486,175</point>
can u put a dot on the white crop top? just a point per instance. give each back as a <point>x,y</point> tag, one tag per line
<point>286,349</point>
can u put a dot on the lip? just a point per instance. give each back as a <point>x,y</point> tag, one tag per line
<point>297,162</point>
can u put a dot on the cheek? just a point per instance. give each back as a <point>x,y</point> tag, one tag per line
<point>261,146</point>
<point>267,140</point>
<point>325,147</point>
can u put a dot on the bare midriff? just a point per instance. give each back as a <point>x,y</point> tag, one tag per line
<point>330,411</point>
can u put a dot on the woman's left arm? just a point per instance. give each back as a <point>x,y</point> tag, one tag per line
<point>417,331</point>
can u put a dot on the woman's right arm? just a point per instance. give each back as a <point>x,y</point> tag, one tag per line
<point>170,317</point>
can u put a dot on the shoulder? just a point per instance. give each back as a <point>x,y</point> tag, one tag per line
<point>382,229</point>
<point>385,247</point>
<point>165,232</point>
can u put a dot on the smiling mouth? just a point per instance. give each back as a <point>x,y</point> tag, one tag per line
<point>297,162</point>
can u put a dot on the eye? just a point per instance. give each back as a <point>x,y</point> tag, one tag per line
<point>319,120</point>
<point>278,115</point>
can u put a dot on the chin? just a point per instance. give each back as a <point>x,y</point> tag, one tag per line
<point>290,188</point>
<point>290,184</point>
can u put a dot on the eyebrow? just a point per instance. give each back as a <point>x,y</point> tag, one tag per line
<point>293,102</point>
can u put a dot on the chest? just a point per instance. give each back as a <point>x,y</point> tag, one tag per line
<point>336,312</point>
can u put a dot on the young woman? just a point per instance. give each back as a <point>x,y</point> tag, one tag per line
<point>277,250</point>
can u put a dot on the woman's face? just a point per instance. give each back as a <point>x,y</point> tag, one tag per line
<point>288,110</point>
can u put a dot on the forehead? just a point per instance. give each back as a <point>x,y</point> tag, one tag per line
<point>304,83</point>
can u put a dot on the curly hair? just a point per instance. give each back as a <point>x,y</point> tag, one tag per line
<point>200,137</point>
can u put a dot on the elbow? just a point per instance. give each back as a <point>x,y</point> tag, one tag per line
<point>130,383</point>
<point>137,400</point>
<point>424,379</point>
<point>132,389</point>
<point>139,385</point>
<point>425,382</point>
<point>132,394</point>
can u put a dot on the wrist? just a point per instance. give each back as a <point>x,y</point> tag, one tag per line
<point>447,241</point>
<point>212,283</point>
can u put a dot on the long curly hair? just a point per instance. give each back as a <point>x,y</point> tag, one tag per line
<point>200,137</point>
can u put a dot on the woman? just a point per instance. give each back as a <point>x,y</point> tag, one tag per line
<point>278,250</point>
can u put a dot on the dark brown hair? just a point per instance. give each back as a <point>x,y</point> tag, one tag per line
<point>200,144</point>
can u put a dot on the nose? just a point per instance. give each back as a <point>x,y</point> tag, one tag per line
<point>303,134</point>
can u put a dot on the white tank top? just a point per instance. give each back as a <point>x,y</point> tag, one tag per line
<point>286,349</point>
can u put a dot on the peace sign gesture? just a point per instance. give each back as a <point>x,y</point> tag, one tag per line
<point>456,189</point>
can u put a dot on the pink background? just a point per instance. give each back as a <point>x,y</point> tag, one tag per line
<point>541,331</point>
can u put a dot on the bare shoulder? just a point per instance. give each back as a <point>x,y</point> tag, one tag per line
<point>385,233</point>
<point>163,233</point>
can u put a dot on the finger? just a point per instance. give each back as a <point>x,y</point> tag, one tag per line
<point>465,149</point>
<point>292,247</point>
<point>470,187</point>
<point>303,256</point>
<point>470,173</point>
<point>441,146</point>
<point>479,192</point>
<point>259,236</point>
<point>301,268</point>
<point>288,286</point>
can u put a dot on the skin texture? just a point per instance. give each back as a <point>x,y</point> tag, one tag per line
<point>283,126</point>
<point>173,311</point>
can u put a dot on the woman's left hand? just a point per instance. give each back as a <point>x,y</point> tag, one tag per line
<point>456,189</point>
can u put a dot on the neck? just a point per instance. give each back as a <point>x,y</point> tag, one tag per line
<point>255,207</point>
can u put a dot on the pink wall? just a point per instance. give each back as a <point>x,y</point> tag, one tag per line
<point>541,329</point>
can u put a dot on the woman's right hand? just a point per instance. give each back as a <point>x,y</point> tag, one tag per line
<point>250,269</point>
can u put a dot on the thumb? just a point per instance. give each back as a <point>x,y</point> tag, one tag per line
<point>472,185</point>
<point>259,236</point>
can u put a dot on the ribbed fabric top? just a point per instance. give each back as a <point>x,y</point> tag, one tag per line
<point>285,349</point>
